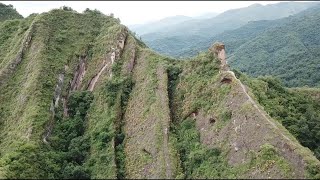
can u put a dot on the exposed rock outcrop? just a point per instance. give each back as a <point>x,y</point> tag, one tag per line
<point>111,57</point>
<point>218,49</point>
<point>54,105</point>
<point>75,84</point>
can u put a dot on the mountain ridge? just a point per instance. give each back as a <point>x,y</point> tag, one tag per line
<point>82,97</point>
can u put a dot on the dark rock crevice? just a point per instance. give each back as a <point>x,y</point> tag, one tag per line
<point>76,82</point>
<point>54,105</point>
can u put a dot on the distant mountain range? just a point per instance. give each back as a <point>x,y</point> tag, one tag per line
<point>287,48</point>
<point>158,25</point>
<point>164,23</point>
<point>182,38</point>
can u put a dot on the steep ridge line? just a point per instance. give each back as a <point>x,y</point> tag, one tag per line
<point>162,77</point>
<point>255,105</point>
<point>219,51</point>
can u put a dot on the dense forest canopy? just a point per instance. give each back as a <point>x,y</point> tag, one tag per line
<point>185,38</point>
<point>288,49</point>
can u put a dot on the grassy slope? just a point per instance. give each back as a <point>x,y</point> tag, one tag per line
<point>146,119</point>
<point>104,117</point>
<point>8,12</point>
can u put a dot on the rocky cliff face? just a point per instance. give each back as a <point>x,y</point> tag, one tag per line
<point>83,98</point>
<point>218,49</point>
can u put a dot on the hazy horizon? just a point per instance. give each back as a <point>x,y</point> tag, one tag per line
<point>134,12</point>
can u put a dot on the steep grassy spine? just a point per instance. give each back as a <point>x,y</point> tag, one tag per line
<point>148,105</point>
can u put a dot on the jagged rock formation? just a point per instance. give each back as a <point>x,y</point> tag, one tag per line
<point>218,49</point>
<point>114,55</point>
<point>83,98</point>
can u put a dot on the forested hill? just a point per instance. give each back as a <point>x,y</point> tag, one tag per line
<point>286,48</point>
<point>184,37</point>
<point>8,12</point>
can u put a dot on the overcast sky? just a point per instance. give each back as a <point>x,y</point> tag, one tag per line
<point>136,12</point>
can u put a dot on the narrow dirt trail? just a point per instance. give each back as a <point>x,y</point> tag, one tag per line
<point>164,103</point>
<point>256,106</point>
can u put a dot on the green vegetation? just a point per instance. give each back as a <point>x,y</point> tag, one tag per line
<point>288,50</point>
<point>197,159</point>
<point>148,116</point>
<point>59,38</point>
<point>65,155</point>
<point>298,112</point>
<point>285,48</point>
<point>68,140</point>
<point>8,12</point>
<point>101,132</point>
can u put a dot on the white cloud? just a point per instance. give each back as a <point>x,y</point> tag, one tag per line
<point>136,12</point>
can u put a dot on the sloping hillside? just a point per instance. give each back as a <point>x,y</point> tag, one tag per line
<point>184,37</point>
<point>81,97</point>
